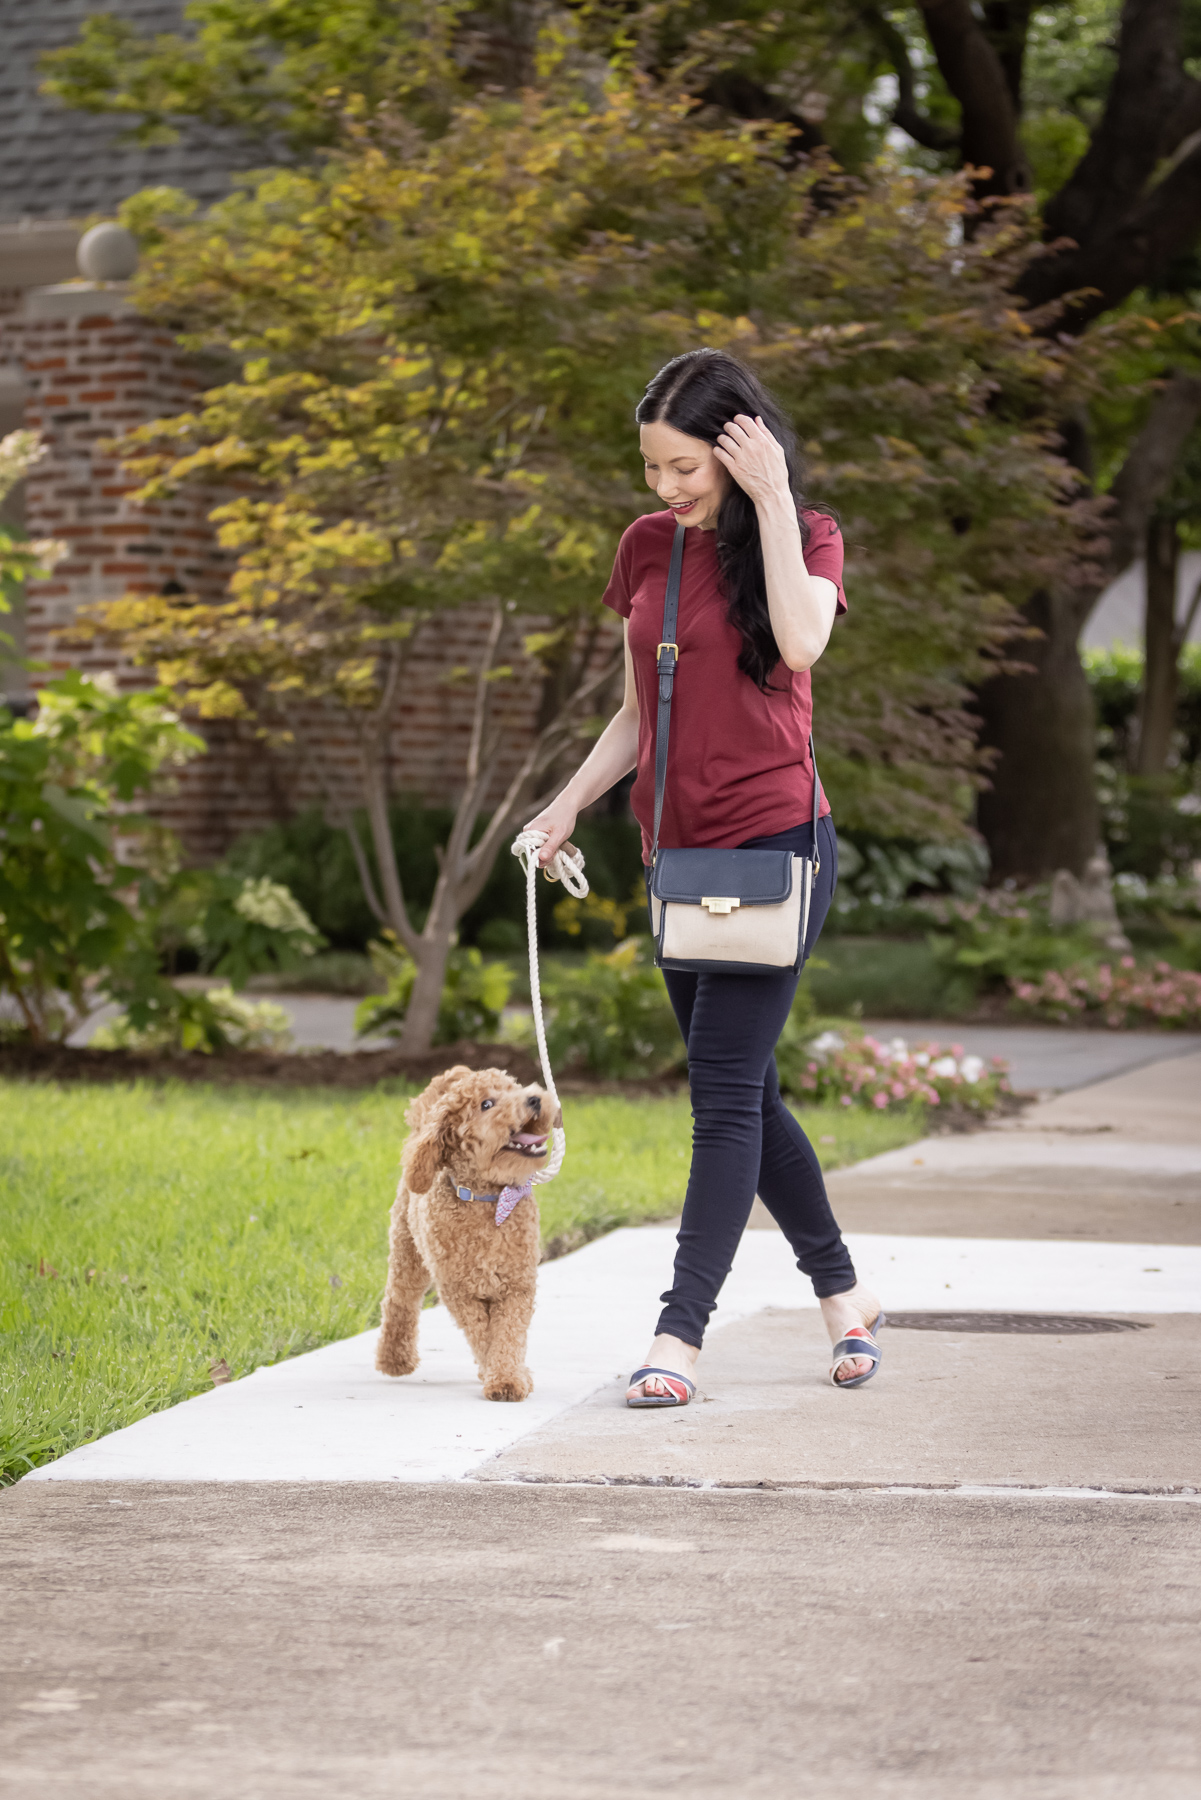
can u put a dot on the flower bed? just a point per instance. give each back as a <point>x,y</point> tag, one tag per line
<point>1124,995</point>
<point>854,1069</point>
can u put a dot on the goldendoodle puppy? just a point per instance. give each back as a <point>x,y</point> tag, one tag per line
<point>465,1218</point>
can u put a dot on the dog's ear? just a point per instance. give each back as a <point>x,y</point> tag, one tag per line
<point>422,1158</point>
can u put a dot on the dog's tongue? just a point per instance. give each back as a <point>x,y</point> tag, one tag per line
<point>527,1139</point>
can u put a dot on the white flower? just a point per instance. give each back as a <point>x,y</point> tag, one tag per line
<point>827,1043</point>
<point>898,1049</point>
<point>267,902</point>
<point>922,1059</point>
<point>945,1066</point>
<point>971,1068</point>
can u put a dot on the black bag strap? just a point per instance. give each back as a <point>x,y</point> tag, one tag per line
<point>665,662</point>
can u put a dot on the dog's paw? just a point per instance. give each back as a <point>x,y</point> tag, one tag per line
<point>390,1362</point>
<point>516,1386</point>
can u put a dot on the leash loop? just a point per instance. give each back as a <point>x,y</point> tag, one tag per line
<point>567,866</point>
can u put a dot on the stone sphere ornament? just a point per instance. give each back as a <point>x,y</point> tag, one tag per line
<point>107,253</point>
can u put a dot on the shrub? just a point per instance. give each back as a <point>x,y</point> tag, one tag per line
<point>1003,936</point>
<point>217,1020</point>
<point>882,882</point>
<point>314,860</point>
<point>80,871</point>
<point>1152,825</point>
<point>236,926</point>
<point>612,1016</point>
<point>473,996</point>
<point>596,917</point>
<point>1125,995</point>
<point>852,1068</point>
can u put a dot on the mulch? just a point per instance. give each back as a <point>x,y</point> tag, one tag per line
<point>354,1069</point>
<point>358,1069</point>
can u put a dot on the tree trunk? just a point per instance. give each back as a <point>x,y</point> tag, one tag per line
<point>421,1015</point>
<point>1040,813</point>
<point>1157,702</point>
<point>1039,723</point>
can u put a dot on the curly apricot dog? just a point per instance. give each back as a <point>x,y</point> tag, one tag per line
<point>466,1218</point>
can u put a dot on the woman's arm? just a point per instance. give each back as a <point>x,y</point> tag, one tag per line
<point>802,606</point>
<point>613,755</point>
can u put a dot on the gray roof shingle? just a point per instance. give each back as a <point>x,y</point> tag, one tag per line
<point>60,164</point>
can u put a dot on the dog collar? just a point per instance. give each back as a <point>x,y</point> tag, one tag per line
<point>506,1200</point>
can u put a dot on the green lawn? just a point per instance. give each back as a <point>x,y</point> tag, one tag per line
<point>149,1231</point>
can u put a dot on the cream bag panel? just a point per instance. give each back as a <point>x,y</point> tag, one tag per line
<point>753,934</point>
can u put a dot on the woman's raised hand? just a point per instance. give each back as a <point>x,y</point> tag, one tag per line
<point>754,458</point>
<point>558,821</point>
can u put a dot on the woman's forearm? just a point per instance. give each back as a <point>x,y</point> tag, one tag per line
<point>613,755</point>
<point>801,606</point>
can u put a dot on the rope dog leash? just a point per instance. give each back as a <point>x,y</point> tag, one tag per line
<point>567,866</point>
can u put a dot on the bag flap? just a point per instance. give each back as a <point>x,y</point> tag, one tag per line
<point>752,877</point>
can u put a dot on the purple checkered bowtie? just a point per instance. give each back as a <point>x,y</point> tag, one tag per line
<point>508,1200</point>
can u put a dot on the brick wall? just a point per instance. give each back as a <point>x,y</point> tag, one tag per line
<point>93,370</point>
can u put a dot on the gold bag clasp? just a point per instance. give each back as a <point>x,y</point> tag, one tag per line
<point>719,903</point>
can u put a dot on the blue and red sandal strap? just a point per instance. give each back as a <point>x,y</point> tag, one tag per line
<point>857,1342</point>
<point>667,1375</point>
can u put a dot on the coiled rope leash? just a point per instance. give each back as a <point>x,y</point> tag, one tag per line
<point>567,866</point>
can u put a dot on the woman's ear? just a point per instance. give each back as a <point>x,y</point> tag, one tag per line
<point>422,1158</point>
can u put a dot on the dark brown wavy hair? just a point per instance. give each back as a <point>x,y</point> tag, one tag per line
<point>698,393</point>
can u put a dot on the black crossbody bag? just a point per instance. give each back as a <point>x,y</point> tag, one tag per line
<point>739,911</point>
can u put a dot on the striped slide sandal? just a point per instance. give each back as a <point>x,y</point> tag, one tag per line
<point>859,1341</point>
<point>679,1389</point>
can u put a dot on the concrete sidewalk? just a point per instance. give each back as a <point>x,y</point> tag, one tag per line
<point>563,1643</point>
<point>1120,1161</point>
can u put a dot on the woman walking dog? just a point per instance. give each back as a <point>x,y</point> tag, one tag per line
<point>729,597</point>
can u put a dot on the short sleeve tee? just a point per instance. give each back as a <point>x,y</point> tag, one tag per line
<point>739,764</point>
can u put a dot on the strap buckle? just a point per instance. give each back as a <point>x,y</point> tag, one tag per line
<point>663,647</point>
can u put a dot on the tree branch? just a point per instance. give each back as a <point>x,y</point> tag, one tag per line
<point>373,751</point>
<point>1151,107</point>
<point>973,71</point>
<point>1007,24</point>
<point>926,132</point>
<point>746,98</point>
<point>1121,256</point>
<point>345,819</point>
<point>1143,479</point>
<point>1150,464</point>
<point>545,747</point>
<point>1185,625</point>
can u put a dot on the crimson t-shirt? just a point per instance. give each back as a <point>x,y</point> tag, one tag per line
<point>738,764</point>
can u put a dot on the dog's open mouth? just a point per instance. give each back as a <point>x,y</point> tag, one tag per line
<point>528,1143</point>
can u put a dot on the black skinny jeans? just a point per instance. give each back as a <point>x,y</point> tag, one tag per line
<point>744,1139</point>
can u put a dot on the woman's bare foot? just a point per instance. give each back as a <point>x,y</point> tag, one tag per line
<point>666,1352</point>
<point>858,1306</point>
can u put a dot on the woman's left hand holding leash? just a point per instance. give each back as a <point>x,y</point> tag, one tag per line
<point>754,458</point>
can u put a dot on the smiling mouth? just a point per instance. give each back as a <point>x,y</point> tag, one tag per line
<point>528,1143</point>
<point>684,506</point>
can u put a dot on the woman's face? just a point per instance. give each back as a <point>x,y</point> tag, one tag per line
<point>684,473</point>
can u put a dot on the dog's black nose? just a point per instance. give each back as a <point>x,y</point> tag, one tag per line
<point>533,1102</point>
